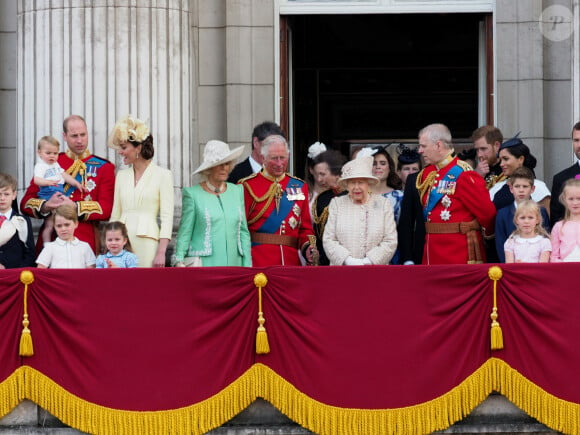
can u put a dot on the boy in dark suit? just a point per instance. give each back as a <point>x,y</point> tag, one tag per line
<point>16,239</point>
<point>521,184</point>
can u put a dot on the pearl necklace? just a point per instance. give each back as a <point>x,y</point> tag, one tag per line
<point>216,190</point>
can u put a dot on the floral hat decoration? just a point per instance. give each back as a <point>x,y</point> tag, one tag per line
<point>315,149</point>
<point>128,129</point>
<point>216,153</point>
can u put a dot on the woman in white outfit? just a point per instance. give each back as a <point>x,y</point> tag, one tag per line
<point>361,228</point>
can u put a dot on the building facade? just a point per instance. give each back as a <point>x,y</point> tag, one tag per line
<point>339,72</point>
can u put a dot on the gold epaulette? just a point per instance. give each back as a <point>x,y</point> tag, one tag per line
<point>249,177</point>
<point>34,204</point>
<point>464,165</point>
<point>87,208</point>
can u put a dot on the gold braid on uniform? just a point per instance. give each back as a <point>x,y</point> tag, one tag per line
<point>322,220</point>
<point>77,167</point>
<point>424,187</point>
<point>275,190</point>
<point>494,179</point>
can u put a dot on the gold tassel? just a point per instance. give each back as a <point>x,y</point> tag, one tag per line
<point>262,345</point>
<point>495,273</point>
<point>26,347</point>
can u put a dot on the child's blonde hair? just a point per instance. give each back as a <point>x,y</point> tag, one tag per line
<point>117,226</point>
<point>573,182</point>
<point>67,211</point>
<point>48,139</point>
<point>527,206</point>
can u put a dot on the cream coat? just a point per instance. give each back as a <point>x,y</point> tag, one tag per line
<point>138,207</point>
<point>360,230</point>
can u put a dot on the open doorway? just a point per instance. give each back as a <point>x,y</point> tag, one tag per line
<point>381,78</point>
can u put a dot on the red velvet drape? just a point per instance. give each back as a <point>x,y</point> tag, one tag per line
<point>352,337</point>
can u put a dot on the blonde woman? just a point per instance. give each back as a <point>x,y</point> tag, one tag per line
<point>143,192</point>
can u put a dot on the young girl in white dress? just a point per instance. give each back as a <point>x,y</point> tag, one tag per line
<point>529,243</point>
<point>566,233</point>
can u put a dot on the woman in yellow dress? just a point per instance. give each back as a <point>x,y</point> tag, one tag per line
<point>143,192</point>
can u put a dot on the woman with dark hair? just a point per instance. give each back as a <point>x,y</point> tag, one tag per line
<point>390,183</point>
<point>326,167</point>
<point>143,192</point>
<point>514,154</point>
<point>314,186</point>
<point>409,162</point>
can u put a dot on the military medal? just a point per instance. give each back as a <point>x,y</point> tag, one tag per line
<point>90,185</point>
<point>446,201</point>
<point>296,209</point>
<point>91,170</point>
<point>445,215</point>
<point>292,222</point>
<point>294,193</point>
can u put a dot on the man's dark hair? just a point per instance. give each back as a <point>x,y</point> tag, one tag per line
<point>267,128</point>
<point>491,133</point>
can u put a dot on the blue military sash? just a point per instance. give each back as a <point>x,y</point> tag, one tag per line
<point>446,186</point>
<point>272,224</point>
<point>92,165</point>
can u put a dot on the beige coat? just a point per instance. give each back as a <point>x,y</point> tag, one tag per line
<point>139,206</point>
<point>360,230</point>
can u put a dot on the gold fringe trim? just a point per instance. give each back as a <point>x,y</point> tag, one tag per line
<point>26,348</point>
<point>91,418</point>
<point>11,391</point>
<point>427,417</point>
<point>261,381</point>
<point>262,345</point>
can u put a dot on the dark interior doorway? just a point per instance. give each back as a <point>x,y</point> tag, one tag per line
<point>381,78</point>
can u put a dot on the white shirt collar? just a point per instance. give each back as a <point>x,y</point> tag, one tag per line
<point>61,242</point>
<point>8,214</point>
<point>256,167</point>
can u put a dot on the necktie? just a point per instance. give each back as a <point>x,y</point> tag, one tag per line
<point>2,219</point>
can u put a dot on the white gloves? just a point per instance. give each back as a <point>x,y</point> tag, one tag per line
<point>350,261</point>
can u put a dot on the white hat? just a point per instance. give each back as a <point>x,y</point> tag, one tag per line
<point>216,153</point>
<point>361,167</point>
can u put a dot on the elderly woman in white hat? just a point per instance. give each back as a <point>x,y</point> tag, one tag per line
<point>361,228</point>
<point>213,230</point>
<point>143,192</point>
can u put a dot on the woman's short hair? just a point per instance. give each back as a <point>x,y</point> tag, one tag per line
<point>333,158</point>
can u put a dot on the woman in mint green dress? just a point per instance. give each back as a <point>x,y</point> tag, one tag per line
<point>213,230</point>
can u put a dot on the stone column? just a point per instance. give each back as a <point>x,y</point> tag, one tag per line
<point>103,59</point>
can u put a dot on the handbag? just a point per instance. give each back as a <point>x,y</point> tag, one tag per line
<point>192,261</point>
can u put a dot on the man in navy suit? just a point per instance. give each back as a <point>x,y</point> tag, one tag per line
<point>556,208</point>
<point>254,162</point>
<point>411,228</point>
<point>16,239</point>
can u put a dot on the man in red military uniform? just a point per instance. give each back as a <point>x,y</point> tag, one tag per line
<point>96,174</point>
<point>457,208</point>
<point>277,209</point>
